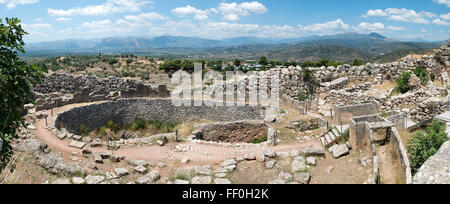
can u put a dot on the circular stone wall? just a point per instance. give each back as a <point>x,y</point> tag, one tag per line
<point>125,111</point>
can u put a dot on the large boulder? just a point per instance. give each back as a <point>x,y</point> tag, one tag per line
<point>339,150</point>
<point>414,82</point>
<point>436,170</point>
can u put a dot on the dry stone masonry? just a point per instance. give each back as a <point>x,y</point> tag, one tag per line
<point>62,89</point>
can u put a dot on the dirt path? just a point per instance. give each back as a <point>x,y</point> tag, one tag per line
<point>388,165</point>
<point>200,154</point>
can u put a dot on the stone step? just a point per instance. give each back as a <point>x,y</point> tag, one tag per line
<point>332,136</point>
<point>336,133</point>
<point>328,138</point>
<point>324,142</point>
<point>77,144</point>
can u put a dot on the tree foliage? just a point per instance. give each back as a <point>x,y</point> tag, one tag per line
<point>263,61</point>
<point>16,81</point>
<point>422,74</point>
<point>425,144</point>
<point>403,82</point>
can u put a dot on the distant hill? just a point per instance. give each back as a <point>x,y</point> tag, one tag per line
<point>342,47</point>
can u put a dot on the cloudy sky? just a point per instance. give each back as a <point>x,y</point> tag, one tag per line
<point>48,20</point>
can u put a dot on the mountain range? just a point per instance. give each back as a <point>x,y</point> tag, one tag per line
<point>344,47</point>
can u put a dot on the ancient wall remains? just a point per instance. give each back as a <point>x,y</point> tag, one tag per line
<point>344,113</point>
<point>125,111</point>
<point>401,153</point>
<point>62,89</point>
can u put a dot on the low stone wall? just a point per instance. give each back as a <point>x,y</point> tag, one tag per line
<point>233,132</point>
<point>334,85</point>
<point>344,113</point>
<point>294,104</point>
<point>400,150</point>
<point>397,118</point>
<point>125,111</point>
<point>63,89</point>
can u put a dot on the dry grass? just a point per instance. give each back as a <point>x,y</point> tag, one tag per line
<point>386,85</point>
<point>405,136</point>
<point>354,81</point>
<point>24,169</point>
<point>186,128</point>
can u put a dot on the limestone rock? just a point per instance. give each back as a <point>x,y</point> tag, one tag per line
<point>222,181</point>
<point>149,178</point>
<point>78,180</point>
<point>270,164</point>
<point>140,169</point>
<point>121,172</point>
<point>94,179</point>
<point>302,177</point>
<point>311,161</point>
<point>201,180</point>
<point>436,170</point>
<point>298,165</point>
<point>339,150</point>
<point>61,181</point>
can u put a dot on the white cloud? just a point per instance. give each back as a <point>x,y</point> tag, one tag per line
<point>10,4</point>
<point>38,19</point>
<point>405,15</point>
<point>190,10</point>
<point>440,22</point>
<point>445,16</point>
<point>371,26</point>
<point>233,11</point>
<point>36,26</point>
<point>396,28</point>
<point>109,7</point>
<point>326,28</point>
<point>445,2</point>
<point>63,19</point>
<point>146,17</point>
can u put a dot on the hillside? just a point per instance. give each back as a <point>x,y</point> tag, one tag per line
<point>341,47</point>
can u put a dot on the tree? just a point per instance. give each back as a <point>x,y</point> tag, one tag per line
<point>263,61</point>
<point>16,81</point>
<point>237,62</point>
<point>403,82</point>
<point>188,66</point>
<point>423,145</point>
<point>422,74</point>
<point>357,62</point>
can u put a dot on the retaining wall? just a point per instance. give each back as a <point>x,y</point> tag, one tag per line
<point>125,111</point>
<point>400,150</point>
<point>344,113</point>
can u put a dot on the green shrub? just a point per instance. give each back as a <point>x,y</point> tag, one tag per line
<point>102,131</point>
<point>425,144</point>
<point>259,140</point>
<point>83,130</point>
<point>346,135</point>
<point>138,124</point>
<point>433,76</point>
<point>403,82</point>
<point>422,74</point>
<point>302,97</point>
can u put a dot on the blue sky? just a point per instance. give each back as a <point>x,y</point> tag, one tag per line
<point>48,20</point>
